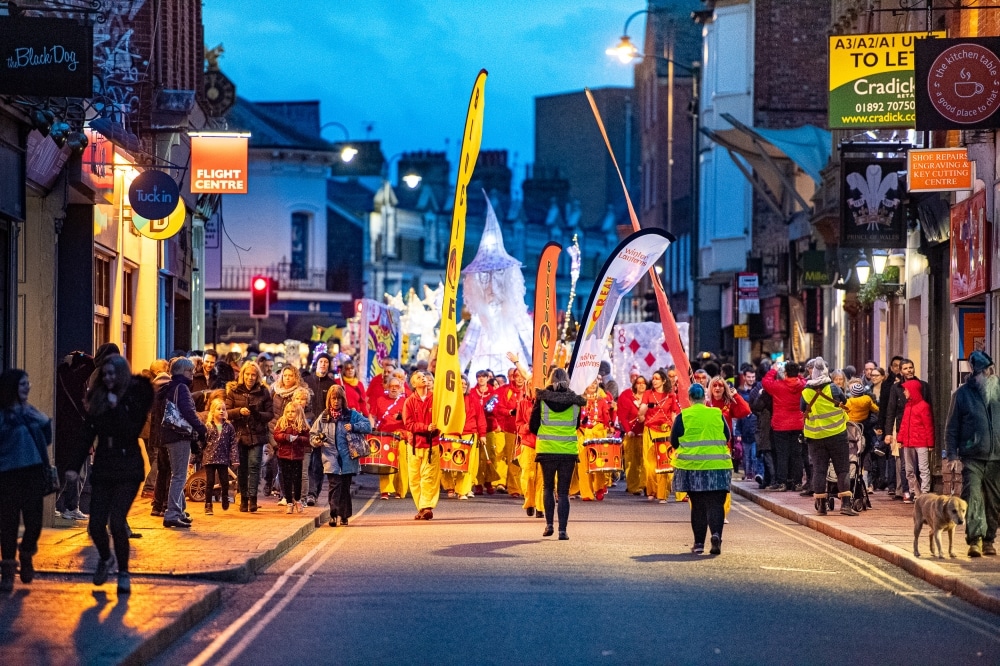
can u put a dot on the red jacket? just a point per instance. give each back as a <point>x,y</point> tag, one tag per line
<point>664,410</point>
<point>484,399</point>
<point>509,396</point>
<point>598,410</point>
<point>785,394</point>
<point>291,450</point>
<point>523,418</point>
<point>917,428</point>
<point>376,389</point>
<point>628,413</point>
<point>356,397</point>
<point>418,419</point>
<point>388,413</point>
<point>737,409</point>
<point>475,417</point>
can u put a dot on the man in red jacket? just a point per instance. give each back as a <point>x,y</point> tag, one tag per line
<point>424,454</point>
<point>489,400</point>
<point>916,435</point>
<point>506,462</point>
<point>787,420</point>
<point>388,414</point>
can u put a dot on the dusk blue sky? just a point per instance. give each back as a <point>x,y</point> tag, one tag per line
<point>407,67</point>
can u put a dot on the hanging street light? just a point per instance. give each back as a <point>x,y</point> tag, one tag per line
<point>864,270</point>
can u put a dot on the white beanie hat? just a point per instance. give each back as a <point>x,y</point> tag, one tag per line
<point>819,368</point>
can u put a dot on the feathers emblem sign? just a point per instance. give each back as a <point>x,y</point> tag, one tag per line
<point>872,203</point>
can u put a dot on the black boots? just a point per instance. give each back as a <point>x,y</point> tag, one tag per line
<point>845,507</point>
<point>820,505</point>
<point>27,568</point>
<point>7,568</point>
<point>253,505</point>
<point>208,509</point>
<point>244,505</point>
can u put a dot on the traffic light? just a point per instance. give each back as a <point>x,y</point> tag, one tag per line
<point>650,308</point>
<point>260,296</point>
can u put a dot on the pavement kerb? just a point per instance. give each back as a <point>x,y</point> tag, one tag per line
<point>965,587</point>
<point>150,648</point>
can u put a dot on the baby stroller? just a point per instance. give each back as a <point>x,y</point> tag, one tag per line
<point>858,452</point>
<point>196,487</point>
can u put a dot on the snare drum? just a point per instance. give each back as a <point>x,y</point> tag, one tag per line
<point>664,455</point>
<point>604,455</point>
<point>383,457</point>
<point>455,453</point>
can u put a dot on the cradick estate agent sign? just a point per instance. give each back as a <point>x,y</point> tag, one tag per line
<point>958,83</point>
<point>871,80</point>
<point>46,57</point>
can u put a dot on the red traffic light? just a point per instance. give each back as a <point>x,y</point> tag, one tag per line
<point>260,296</point>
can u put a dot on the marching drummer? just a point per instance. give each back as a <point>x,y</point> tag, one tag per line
<point>488,399</point>
<point>595,423</point>
<point>506,413</point>
<point>388,413</point>
<point>656,415</point>
<point>531,475</point>
<point>424,452</point>
<point>628,417</point>
<point>458,481</point>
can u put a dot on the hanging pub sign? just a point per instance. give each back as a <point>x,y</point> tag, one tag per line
<point>871,79</point>
<point>153,195</point>
<point>871,208</point>
<point>815,269</point>
<point>219,163</point>
<point>164,228</point>
<point>958,83</point>
<point>969,269</point>
<point>46,57</point>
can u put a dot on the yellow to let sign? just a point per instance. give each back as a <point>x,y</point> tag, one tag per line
<point>939,170</point>
<point>741,331</point>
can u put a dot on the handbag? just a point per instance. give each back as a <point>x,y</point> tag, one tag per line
<point>50,474</point>
<point>357,445</point>
<point>173,420</point>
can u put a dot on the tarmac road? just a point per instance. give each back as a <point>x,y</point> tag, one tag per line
<point>478,585</point>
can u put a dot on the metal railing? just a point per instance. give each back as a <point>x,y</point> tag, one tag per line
<point>238,277</point>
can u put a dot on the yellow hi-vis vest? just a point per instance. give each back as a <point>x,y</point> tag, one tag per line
<point>824,419</point>
<point>703,444</point>
<point>557,431</point>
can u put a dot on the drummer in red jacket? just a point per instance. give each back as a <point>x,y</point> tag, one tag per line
<point>488,446</point>
<point>506,413</point>
<point>388,414</point>
<point>423,459</point>
<point>459,483</point>
<point>596,420</point>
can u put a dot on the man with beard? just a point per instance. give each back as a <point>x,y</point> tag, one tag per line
<point>973,435</point>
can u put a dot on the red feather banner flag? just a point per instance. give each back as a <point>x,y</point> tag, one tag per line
<point>543,351</point>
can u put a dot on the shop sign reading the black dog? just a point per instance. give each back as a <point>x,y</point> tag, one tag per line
<point>46,57</point>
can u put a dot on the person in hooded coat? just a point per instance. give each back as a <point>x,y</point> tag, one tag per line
<point>916,435</point>
<point>825,430</point>
<point>973,436</point>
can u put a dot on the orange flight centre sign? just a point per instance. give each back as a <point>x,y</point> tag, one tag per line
<point>219,164</point>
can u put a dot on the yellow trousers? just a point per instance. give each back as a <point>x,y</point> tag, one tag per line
<point>424,466</point>
<point>512,479</point>
<point>397,482</point>
<point>635,479</point>
<point>487,459</point>
<point>590,482</point>
<point>531,479</point>
<point>462,482</point>
<point>657,485</point>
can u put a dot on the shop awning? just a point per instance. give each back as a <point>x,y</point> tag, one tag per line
<point>783,165</point>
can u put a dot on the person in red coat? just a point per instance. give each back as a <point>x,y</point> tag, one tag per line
<point>494,439</point>
<point>387,410</point>
<point>354,388</point>
<point>459,483</point>
<point>916,435</point>
<point>628,418</point>
<point>596,419</point>
<point>424,453</point>
<point>292,435</point>
<point>380,382</point>
<point>785,387</point>
<point>506,414</point>
<point>657,412</point>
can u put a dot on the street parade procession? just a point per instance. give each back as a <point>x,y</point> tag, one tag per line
<point>267,396</point>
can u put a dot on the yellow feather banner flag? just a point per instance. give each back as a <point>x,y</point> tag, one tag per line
<point>449,404</point>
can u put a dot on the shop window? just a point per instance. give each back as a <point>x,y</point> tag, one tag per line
<point>128,309</point>
<point>102,299</point>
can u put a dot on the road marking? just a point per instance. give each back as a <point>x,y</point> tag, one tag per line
<point>819,571</point>
<point>928,603</point>
<point>223,638</point>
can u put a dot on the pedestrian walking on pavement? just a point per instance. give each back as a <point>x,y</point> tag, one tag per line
<point>291,433</point>
<point>117,405</point>
<point>825,430</point>
<point>973,436</point>
<point>703,467</point>
<point>785,387</point>
<point>221,452</point>
<point>319,382</point>
<point>250,408</point>
<point>329,435</point>
<point>555,419</point>
<point>25,435</point>
<point>916,436</point>
<point>175,443</point>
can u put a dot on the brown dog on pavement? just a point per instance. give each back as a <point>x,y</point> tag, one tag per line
<point>940,512</point>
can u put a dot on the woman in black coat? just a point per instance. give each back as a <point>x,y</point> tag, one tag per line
<point>250,408</point>
<point>117,405</point>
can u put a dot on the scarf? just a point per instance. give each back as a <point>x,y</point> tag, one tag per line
<point>286,394</point>
<point>350,381</point>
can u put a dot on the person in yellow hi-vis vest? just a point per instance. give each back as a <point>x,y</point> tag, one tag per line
<point>825,431</point>
<point>703,467</point>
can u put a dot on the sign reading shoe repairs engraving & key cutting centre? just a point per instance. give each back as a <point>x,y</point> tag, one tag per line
<point>871,80</point>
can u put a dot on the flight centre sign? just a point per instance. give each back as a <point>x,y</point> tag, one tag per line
<point>872,81</point>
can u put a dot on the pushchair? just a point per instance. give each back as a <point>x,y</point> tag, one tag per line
<point>858,453</point>
<point>196,490</point>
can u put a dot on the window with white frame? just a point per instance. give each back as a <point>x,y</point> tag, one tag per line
<point>102,298</point>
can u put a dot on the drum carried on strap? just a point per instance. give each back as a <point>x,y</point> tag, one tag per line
<point>664,455</point>
<point>455,453</point>
<point>604,455</point>
<point>383,455</point>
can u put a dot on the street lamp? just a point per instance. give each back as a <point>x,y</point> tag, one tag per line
<point>347,152</point>
<point>626,52</point>
<point>879,260</point>
<point>864,270</point>
<point>412,180</point>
